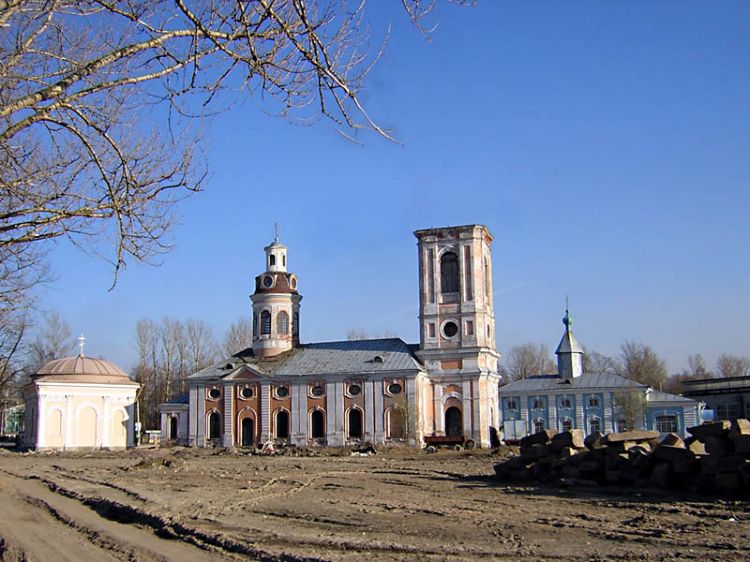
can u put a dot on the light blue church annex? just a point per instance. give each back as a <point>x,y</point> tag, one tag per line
<point>572,399</point>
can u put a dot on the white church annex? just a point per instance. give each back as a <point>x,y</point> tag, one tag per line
<point>346,392</point>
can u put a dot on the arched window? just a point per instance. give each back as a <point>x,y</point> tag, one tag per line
<point>295,324</point>
<point>538,425</point>
<point>453,423</point>
<point>282,323</point>
<point>255,324</point>
<point>272,259</point>
<point>595,425</point>
<point>173,427</point>
<point>355,423</point>
<point>265,323</point>
<point>396,423</point>
<point>214,425</point>
<point>449,273</point>
<point>317,424</point>
<point>282,424</point>
<point>247,428</point>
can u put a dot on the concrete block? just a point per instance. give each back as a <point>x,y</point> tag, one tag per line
<point>728,481</point>
<point>740,427</point>
<point>594,440</point>
<point>719,445</point>
<point>696,447</point>
<point>712,429</point>
<point>661,475</point>
<point>673,440</point>
<point>571,438</point>
<point>668,453</point>
<point>567,452</point>
<point>620,447</point>
<point>540,438</point>
<point>741,443</point>
<point>636,436</point>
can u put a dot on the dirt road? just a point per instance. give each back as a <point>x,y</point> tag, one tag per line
<point>402,505</point>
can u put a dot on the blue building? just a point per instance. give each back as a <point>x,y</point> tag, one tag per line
<point>573,399</point>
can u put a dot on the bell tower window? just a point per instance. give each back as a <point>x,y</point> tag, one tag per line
<point>449,273</point>
<point>282,323</point>
<point>265,323</point>
<point>272,259</point>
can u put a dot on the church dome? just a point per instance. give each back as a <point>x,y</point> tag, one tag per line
<point>83,369</point>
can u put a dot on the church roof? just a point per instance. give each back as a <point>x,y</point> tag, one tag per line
<point>325,358</point>
<point>540,383</point>
<point>587,381</point>
<point>80,369</point>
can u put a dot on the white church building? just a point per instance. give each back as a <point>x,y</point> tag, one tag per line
<point>346,392</point>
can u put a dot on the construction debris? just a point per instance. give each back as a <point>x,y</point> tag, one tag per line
<point>715,458</point>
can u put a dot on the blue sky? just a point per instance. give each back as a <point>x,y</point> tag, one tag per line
<point>606,145</point>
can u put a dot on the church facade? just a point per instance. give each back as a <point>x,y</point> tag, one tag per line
<point>591,401</point>
<point>347,392</point>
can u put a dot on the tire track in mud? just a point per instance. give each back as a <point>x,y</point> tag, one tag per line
<point>167,536</point>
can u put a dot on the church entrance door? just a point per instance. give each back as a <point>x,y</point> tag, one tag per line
<point>318,422</point>
<point>453,423</point>
<point>248,431</point>
<point>173,427</point>
<point>355,423</point>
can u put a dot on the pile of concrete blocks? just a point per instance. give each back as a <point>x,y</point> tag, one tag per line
<point>716,457</point>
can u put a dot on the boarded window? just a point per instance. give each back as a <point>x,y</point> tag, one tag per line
<point>214,425</point>
<point>396,423</point>
<point>453,423</point>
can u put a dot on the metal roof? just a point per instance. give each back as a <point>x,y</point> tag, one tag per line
<point>583,382</point>
<point>660,396</point>
<point>325,358</point>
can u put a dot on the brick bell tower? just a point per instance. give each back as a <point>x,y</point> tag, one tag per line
<point>275,304</point>
<point>457,330</point>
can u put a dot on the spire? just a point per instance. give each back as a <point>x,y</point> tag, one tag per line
<point>81,343</point>
<point>276,232</point>
<point>569,352</point>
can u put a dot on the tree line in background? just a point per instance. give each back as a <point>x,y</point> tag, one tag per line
<point>636,361</point>
<point>168,352</point>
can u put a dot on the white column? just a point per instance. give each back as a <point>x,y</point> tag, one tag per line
<point>130,428</point>
<point>412,413</point>
<point>439,416</point>
<point>41,435</point>
<point>193,417</point>
<point>68,440</point>
<point>334,433</point>
<point>104,441</point>
<point>301,409</point>
<point>469,428</point>
<point>370,410</point>
<point>228,433</point>
<point>265,415</point>
<point>201,417</point>
<point>378,412</point>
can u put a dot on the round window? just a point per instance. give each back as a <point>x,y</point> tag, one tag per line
<point>246,392</point>
<point>282,391</point>
<point>317,390</point>
<point>214,394</point>
<point>354,389</point>
<point>267,281</point>
<point>450,329</point>
<point>394,388</point>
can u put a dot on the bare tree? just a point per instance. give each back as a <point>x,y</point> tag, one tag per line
<point>595,362</point>
<point>12,360</point>
<point>630,409</point>
<point>53,341</point>
<point>239,336</point>
<point>526,360</point>
<point>732,366</point>
<point>641,364</point>
<point>97,96</point>
<point>202,348</point>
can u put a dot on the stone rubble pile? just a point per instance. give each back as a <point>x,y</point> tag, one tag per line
<point>715,458</point>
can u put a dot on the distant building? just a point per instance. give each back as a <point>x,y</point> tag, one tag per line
<point>573,399</point>
<point>345,392</point>
<point>80,403</point>
<point>728,398</point>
